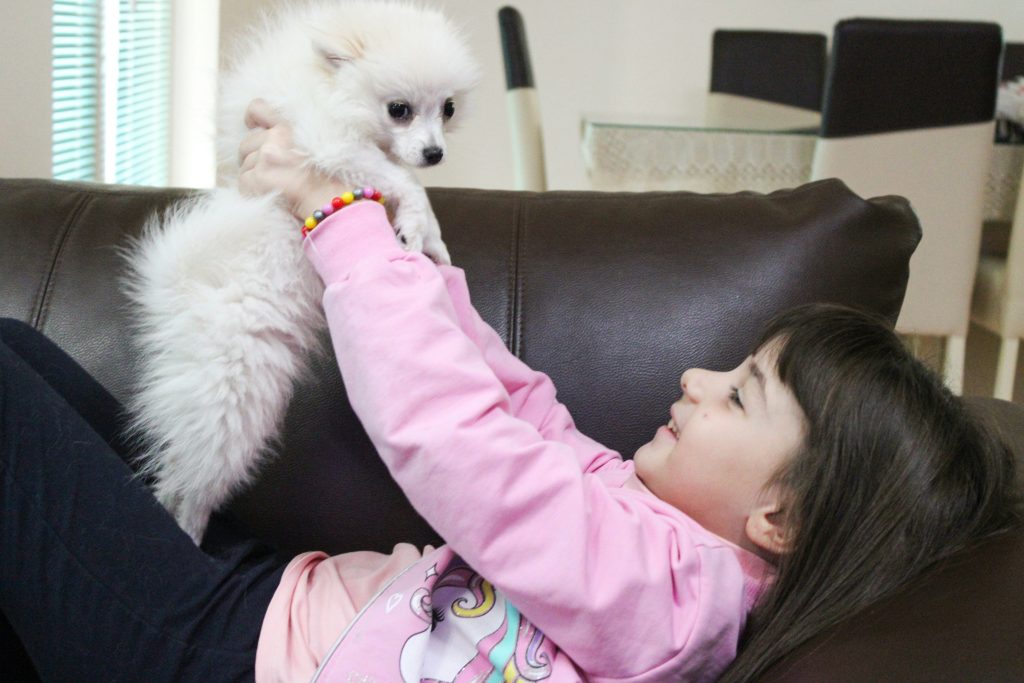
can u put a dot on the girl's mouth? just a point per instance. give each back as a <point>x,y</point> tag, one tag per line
<point>672,427</point>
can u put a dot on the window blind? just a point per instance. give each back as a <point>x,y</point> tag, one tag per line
<point>111,90</point>
<point>76,46</point>
<point>141,125</point>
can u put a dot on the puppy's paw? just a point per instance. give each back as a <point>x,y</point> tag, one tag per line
<point>434,247</point>
<point>419,231</point>
<point>410,227</point>
<point>408,233</point>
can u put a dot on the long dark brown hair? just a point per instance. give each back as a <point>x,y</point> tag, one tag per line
<point>894,476</point>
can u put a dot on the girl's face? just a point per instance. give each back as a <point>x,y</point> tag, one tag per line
<point>728,434</point>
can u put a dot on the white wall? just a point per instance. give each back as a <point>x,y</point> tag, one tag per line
<point>25,95</point>
<point>629,56</point>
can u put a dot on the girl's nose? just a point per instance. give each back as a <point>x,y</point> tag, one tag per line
<point>691,384</point>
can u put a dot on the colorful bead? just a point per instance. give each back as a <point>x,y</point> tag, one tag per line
<point>369,192</point>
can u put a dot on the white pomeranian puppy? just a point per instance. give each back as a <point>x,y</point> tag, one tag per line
<point>228,309</point>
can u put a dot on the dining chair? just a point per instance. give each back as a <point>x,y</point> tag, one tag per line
<point>522,103</point>
<point>784,67</point>
<point>1013,68</point>
<point>909,110</point>
<point>998,302</point>
<point>1013,61</point>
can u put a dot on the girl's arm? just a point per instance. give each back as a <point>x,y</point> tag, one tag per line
<point>272,163</point>
<point>532,394</point>
<point>618,579</point>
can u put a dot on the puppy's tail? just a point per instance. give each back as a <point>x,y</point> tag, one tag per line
<point>227,310</point>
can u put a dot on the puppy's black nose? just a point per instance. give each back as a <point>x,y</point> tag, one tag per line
<point>433,155</point>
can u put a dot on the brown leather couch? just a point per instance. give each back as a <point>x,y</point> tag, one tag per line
<point>613,295</point>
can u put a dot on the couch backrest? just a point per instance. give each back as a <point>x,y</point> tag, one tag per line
<point>613,295</point>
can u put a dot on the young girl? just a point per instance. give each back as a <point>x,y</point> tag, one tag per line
<point>823,473</point>
<point>829,453</point>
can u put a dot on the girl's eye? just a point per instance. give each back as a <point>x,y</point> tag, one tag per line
<point>734,396</point>
<point>400,111</point>
<point>449,108</point>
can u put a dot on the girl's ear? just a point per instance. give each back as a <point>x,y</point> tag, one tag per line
<point>766,528</point>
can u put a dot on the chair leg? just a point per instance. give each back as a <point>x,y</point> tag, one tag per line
<point>953,365</point>
<point>1007,368</point>
<point>527,139</point>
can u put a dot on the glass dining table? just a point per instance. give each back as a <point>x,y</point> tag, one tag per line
<point>730,144</point>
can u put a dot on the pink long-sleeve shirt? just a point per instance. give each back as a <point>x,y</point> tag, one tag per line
<point>559,564</point>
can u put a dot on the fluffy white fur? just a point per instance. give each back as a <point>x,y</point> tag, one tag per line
<point>227,307</point>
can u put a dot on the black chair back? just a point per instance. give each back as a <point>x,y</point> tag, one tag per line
<point>1013,61</point>
<point>891,75</point>
<point>776,66</point>
<point>515,51</point>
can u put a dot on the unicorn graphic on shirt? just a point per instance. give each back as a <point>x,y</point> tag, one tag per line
<point>472,634</point>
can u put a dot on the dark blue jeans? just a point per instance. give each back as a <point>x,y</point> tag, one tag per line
<point>97,582</point>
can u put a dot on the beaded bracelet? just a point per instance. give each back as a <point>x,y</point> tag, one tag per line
<point>337,203</point>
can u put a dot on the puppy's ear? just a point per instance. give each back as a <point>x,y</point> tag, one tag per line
<point>338,54</point>
<point>332,59</point>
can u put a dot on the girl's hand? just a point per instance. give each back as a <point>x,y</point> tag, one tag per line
<point>270,162</point>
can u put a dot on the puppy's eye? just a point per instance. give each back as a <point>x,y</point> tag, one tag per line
<point>400,111</point>
<point>449,108</point>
